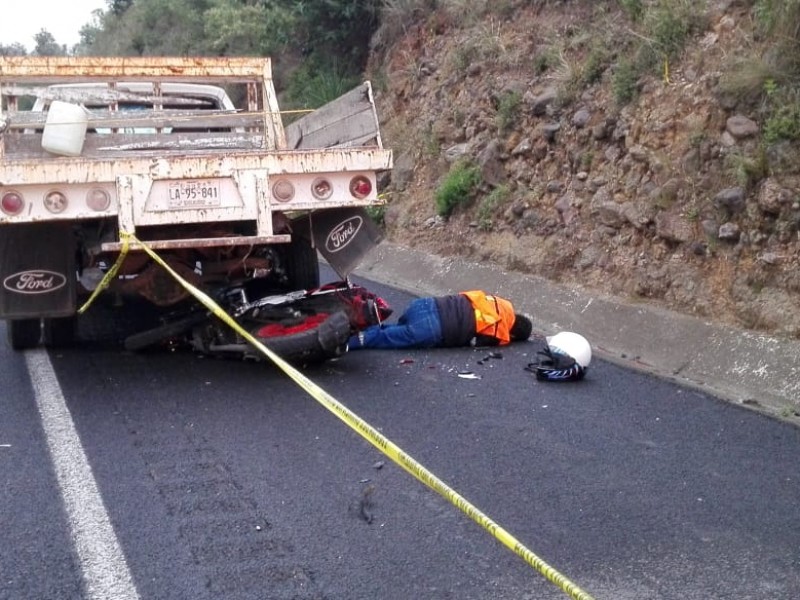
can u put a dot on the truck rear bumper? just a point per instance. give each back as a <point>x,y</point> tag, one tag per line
<point>241,240</point>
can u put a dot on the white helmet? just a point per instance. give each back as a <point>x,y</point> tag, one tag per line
<point>573,345</point>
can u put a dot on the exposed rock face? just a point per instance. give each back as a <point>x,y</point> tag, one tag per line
<point>653,200</point>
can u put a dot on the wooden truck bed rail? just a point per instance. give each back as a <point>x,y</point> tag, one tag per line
<point>61,69</point>
<point>92,82</point>
<point>349,121</point>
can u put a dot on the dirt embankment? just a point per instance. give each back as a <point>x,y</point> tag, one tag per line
<point>671,197</point>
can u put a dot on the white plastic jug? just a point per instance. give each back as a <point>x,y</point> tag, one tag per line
<point>65,128</point>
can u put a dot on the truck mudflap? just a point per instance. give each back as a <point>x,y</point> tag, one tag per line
<point>343,236</point>
<point>37,271</point>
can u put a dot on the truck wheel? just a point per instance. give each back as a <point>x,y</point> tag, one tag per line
<point>60,332</point>
<point>24,333</point>
<point>302,264</point>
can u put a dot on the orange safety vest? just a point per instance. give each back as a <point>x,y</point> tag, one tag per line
<point>494,316</point>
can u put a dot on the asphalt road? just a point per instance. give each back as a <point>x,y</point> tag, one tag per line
<point>222,479</point>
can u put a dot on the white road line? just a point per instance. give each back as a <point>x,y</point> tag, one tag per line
<point>105,572</point>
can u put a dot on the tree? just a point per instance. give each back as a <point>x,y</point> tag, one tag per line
<point>234,29</point>
<point>46,45</point>
<point>89,32</point>
<point>15,49</point>
<point>118,7</point>
<point>321,44</point>
<point>335,29</point>
<point>153,28</point>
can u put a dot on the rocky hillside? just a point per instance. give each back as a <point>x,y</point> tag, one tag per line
<point>663,191</point>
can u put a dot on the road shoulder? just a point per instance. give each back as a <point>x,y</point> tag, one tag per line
<point>740,366</point>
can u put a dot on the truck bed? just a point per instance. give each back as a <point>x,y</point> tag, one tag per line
<point>160,129</point>
<point>349,121</point>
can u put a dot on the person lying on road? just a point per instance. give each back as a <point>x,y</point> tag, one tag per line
<point>473,318</point>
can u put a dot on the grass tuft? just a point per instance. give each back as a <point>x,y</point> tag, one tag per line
<point>458,188</point>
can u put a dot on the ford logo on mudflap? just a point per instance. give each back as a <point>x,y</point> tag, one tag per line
<point>34,282</point>
<point>343,234</point>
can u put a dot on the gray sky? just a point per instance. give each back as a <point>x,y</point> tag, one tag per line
<point>62,18</point>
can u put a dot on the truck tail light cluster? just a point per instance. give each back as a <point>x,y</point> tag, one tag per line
<point>55,201</point>
<point>12,203</point>
<point>283,190</point>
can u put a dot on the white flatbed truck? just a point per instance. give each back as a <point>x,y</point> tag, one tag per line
<point>190,156</point>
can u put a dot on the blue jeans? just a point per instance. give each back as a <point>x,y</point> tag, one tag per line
<point>418,327</point>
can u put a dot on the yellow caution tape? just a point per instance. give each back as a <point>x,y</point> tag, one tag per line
<point>110,274</point>
<point>381,442</point>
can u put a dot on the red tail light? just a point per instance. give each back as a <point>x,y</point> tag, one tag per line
<point>12,203</point>
<point>360,187</point>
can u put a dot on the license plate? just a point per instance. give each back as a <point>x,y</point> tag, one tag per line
<point>202,193</point>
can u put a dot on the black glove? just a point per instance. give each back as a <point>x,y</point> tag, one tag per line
<point>555,366</point>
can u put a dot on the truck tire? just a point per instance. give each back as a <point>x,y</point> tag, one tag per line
<point>59,332</point>
<point>24,333</point>
<point>302,264</point>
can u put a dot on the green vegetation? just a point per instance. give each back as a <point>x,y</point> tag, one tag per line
<point>778,19</point>
<point>458,187</point>
<point>322,46</point>
<point>769,82</point>
<point>750,80</point>
<point>581,56</point>
<point>311,86</point>
<point>489,206</point>
<point>634,8</point>
<point>585,159</point>
<point>669,23</point>
<point>377,214</point>
<point>783,123</point>
<point>542,62</point>
<point>577,76</point>
<point>623,82</point>
<point>508,109</point>
<point>483,44</point>
<point>660,30</point>
<point>430,142</point>
<point>747,169</point>
<point>594,66</point>
<point>328,39</point>
<point>464,55</point>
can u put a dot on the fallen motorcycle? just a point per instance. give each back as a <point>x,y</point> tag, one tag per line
<point>302,326</point>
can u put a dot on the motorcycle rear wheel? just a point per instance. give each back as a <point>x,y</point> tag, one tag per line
<point>319,340</point>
